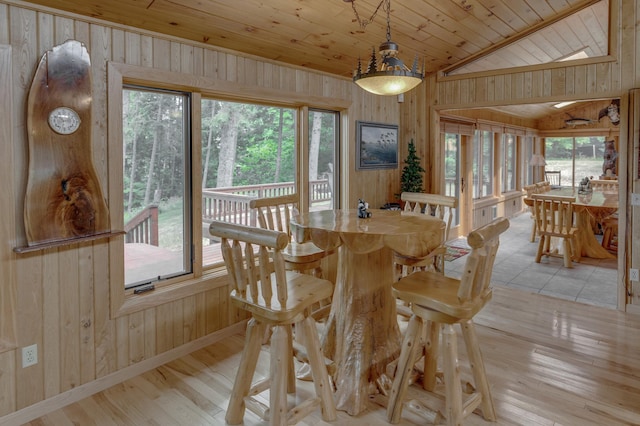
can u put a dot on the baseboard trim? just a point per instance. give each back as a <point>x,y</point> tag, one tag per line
<point>78,393</point>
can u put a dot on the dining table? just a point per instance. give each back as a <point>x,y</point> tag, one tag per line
<point>361,334</point>
<point>590,208</point>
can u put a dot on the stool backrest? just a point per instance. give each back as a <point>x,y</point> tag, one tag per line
<point>440,206</point>
<point>530,189</point>
<point>554,178</point>
<point>604,185</point>
<point>553,213</point>
<point>476,278</point>
<point>275,212</point>
<point>253,258</point>
<point>544,186</point>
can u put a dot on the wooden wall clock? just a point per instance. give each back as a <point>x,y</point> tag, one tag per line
<point>63,200</point>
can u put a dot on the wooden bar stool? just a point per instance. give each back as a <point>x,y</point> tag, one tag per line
<point>275,213</point>
<point>276,299</point>
<point>438,303</point>
<point>440,206</point>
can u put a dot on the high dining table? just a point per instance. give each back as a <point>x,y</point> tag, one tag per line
<point>361,334</point>
<point>589,208</point>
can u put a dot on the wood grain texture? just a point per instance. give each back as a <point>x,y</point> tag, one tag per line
<point>60,298</point>
<point>27,28</point>
<point>327,38</point>
<point>63,200</point>
<point>547,360</point>
<point>361,333</point>
<point>8,225</point>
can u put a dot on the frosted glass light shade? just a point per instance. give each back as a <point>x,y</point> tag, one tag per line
<point>388,82</point>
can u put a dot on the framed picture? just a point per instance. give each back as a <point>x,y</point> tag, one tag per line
<point>376,146</point>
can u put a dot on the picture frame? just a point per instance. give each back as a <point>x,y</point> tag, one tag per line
<point>376,146</point>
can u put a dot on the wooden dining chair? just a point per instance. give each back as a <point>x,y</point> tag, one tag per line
<point>554,178</point>
<point>529,191</point>
<point>275,213</point>
<point>438,302</point>
<point>543,186</point>
<point>555,219</point>
<point>440,206</point>
<point>276,299</point>
<point>610,233</point>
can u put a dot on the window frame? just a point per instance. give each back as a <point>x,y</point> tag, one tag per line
<point>481,137</point>
<point>187,203</point>
<point>508,161</point>
<point>122,301</point>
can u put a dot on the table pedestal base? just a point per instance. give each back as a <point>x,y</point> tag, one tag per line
<point>362,334</point>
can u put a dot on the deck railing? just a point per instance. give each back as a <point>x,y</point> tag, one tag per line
<point>143,227</point>
<point>230,204</point>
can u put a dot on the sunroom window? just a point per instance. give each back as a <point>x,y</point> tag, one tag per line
<point>482,164</point>
<point>508,162</point>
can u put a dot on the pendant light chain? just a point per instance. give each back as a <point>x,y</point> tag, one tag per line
<point>388,9</point>
<point>364,22</point>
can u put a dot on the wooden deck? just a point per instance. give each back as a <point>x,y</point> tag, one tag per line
<point>549,362</point>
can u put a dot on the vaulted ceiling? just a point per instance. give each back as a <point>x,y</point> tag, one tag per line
<point>325,35</point>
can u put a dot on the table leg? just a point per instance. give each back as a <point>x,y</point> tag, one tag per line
<point>362,334</point>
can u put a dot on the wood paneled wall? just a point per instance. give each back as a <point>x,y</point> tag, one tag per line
<point>59,298</point>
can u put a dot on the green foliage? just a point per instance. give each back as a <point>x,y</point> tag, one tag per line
<point>263,132</point>
<point>562,147</point>
<point>411,178</point>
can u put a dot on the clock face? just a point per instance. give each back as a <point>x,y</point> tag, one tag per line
<point>64,120</point>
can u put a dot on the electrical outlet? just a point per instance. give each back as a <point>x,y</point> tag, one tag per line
<point>634,275</point>
<point>635,199</point>
<point>29,355</point>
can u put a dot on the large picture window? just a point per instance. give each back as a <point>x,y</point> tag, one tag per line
<point>575,158</point>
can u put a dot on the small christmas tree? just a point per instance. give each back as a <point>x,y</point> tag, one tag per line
<point>411,178</point>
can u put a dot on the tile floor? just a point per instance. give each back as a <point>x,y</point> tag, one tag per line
<point>592,281</point>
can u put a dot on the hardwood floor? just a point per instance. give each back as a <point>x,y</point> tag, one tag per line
<point>549,362</point>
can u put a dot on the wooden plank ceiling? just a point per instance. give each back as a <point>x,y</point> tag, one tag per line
<point>325,35</point>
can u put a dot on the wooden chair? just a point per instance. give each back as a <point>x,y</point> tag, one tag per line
<point>610,233</point>
<point>555,219</point>
<point>441,206</point>
<point>529,191</point>
<point>276,299</point>
<point>544,186</point>
<point>438,302</point>
<point>275,213</point>
<point>604,185</point>
<point>554,178</point>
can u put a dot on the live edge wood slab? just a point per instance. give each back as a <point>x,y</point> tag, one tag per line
<point>63,200</point>
<point>362,334</point>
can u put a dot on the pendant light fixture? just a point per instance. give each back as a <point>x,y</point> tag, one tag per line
<point>392,77</point>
